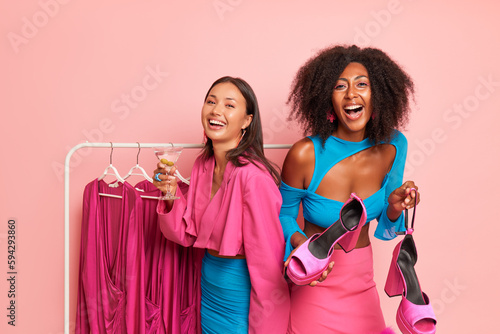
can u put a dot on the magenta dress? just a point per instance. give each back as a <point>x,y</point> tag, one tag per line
<point>111,289</point>
<point>132,279</point>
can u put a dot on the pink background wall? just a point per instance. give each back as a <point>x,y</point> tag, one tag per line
<point>81,70</point>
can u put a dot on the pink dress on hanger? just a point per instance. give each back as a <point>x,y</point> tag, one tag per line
<point>169,274</point>
<point>111,293</point>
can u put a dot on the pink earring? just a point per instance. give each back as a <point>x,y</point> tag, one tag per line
<point>330,116</point>
<point>373,115</point>
<point>243,134</point>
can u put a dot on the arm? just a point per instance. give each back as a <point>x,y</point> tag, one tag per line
<point>397,195</point>
<point>175,216</point>
<point>298,163</point>
<point>288,217</point>
<point>174,224</point>
<point>263,243</point>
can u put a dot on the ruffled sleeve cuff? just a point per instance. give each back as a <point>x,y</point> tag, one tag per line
<point>386,229</point>
<point>172,223</point>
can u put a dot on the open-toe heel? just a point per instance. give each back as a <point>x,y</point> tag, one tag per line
<point>312,258</point>
<point>415,314</point>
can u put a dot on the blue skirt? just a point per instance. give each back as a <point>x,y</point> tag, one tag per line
<point>225,295</point>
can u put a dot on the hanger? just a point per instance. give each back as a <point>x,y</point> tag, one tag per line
<point>185,180</point>
<point>112,168</point>
<point>142,171</point>
<point>119,178</point>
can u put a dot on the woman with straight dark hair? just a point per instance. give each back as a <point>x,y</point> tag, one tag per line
<point>232,210</point>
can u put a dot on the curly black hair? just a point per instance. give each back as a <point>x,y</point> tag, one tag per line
<point>312,88</point>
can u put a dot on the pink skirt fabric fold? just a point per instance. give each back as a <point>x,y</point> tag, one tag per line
<point>346,302</point>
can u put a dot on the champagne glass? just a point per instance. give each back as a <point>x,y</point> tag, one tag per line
<point>168,156</point>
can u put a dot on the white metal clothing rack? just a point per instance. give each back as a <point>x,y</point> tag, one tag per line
<point>66,201</point>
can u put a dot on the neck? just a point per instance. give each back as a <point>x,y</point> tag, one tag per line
<point>220,159</point>
<point>350,136</point>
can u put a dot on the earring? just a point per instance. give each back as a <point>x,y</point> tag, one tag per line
<point>331,116</point>
<point>373,115</point>
<point>243,134</point>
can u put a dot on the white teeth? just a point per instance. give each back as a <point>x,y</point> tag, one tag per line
<point>214,122</point>
<point>355,106</point>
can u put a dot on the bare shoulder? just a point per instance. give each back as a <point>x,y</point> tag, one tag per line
<point>299,163</point>
<point>302,152</point>
<point>382,155</point>
<point>386,150</point>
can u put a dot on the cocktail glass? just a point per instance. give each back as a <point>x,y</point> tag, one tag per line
<point>168,156</point>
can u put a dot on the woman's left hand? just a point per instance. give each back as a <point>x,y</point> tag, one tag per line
<point>298,239</point>
<point>324,275</point>
<point>404,197</point>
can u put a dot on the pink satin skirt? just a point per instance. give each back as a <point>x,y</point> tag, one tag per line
<point>346,302</point>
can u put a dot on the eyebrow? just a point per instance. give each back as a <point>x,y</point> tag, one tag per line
<point>227,98</point>
<point>356,78</point>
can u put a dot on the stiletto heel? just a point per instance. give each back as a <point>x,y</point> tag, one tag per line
<point>415,314</point>
<point>312,258</point>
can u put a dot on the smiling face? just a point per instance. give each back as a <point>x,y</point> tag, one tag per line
<point>223,115</point>
<point>352,103</point>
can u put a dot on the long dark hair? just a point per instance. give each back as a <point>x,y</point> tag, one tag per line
<point>251,146</point>
<point>311,94</point>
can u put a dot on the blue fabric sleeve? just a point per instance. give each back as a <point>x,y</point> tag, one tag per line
<point>386,229</point>
<point>289,213</point>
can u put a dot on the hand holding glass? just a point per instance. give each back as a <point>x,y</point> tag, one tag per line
<point>168,156</point>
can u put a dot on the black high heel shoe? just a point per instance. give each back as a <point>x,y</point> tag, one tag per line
<point>415,314</point>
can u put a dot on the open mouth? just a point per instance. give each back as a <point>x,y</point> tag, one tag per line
<point>216,124</point>
<point>353,112</point>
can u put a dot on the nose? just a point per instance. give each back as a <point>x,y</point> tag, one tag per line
<point>216,110</point>
<point>351,92</point>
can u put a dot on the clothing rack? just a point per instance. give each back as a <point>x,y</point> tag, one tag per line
<point>66,200</point>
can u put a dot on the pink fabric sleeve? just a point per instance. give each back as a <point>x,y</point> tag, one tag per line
<point>175,224</point>
<point>87,251</point>
<point>111,292</point>
<point>264,246</point>
<point>133,275</point>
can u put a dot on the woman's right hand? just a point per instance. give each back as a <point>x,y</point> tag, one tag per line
<point>298,239</point>
<point>168,179</point>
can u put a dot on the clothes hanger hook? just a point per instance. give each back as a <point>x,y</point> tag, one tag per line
<point>139,152</point>
<point>111,154</point>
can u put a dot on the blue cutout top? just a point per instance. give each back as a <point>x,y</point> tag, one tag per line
<point>319,210</point>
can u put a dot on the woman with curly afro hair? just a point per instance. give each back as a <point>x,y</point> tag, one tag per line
<point>351,101</point>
